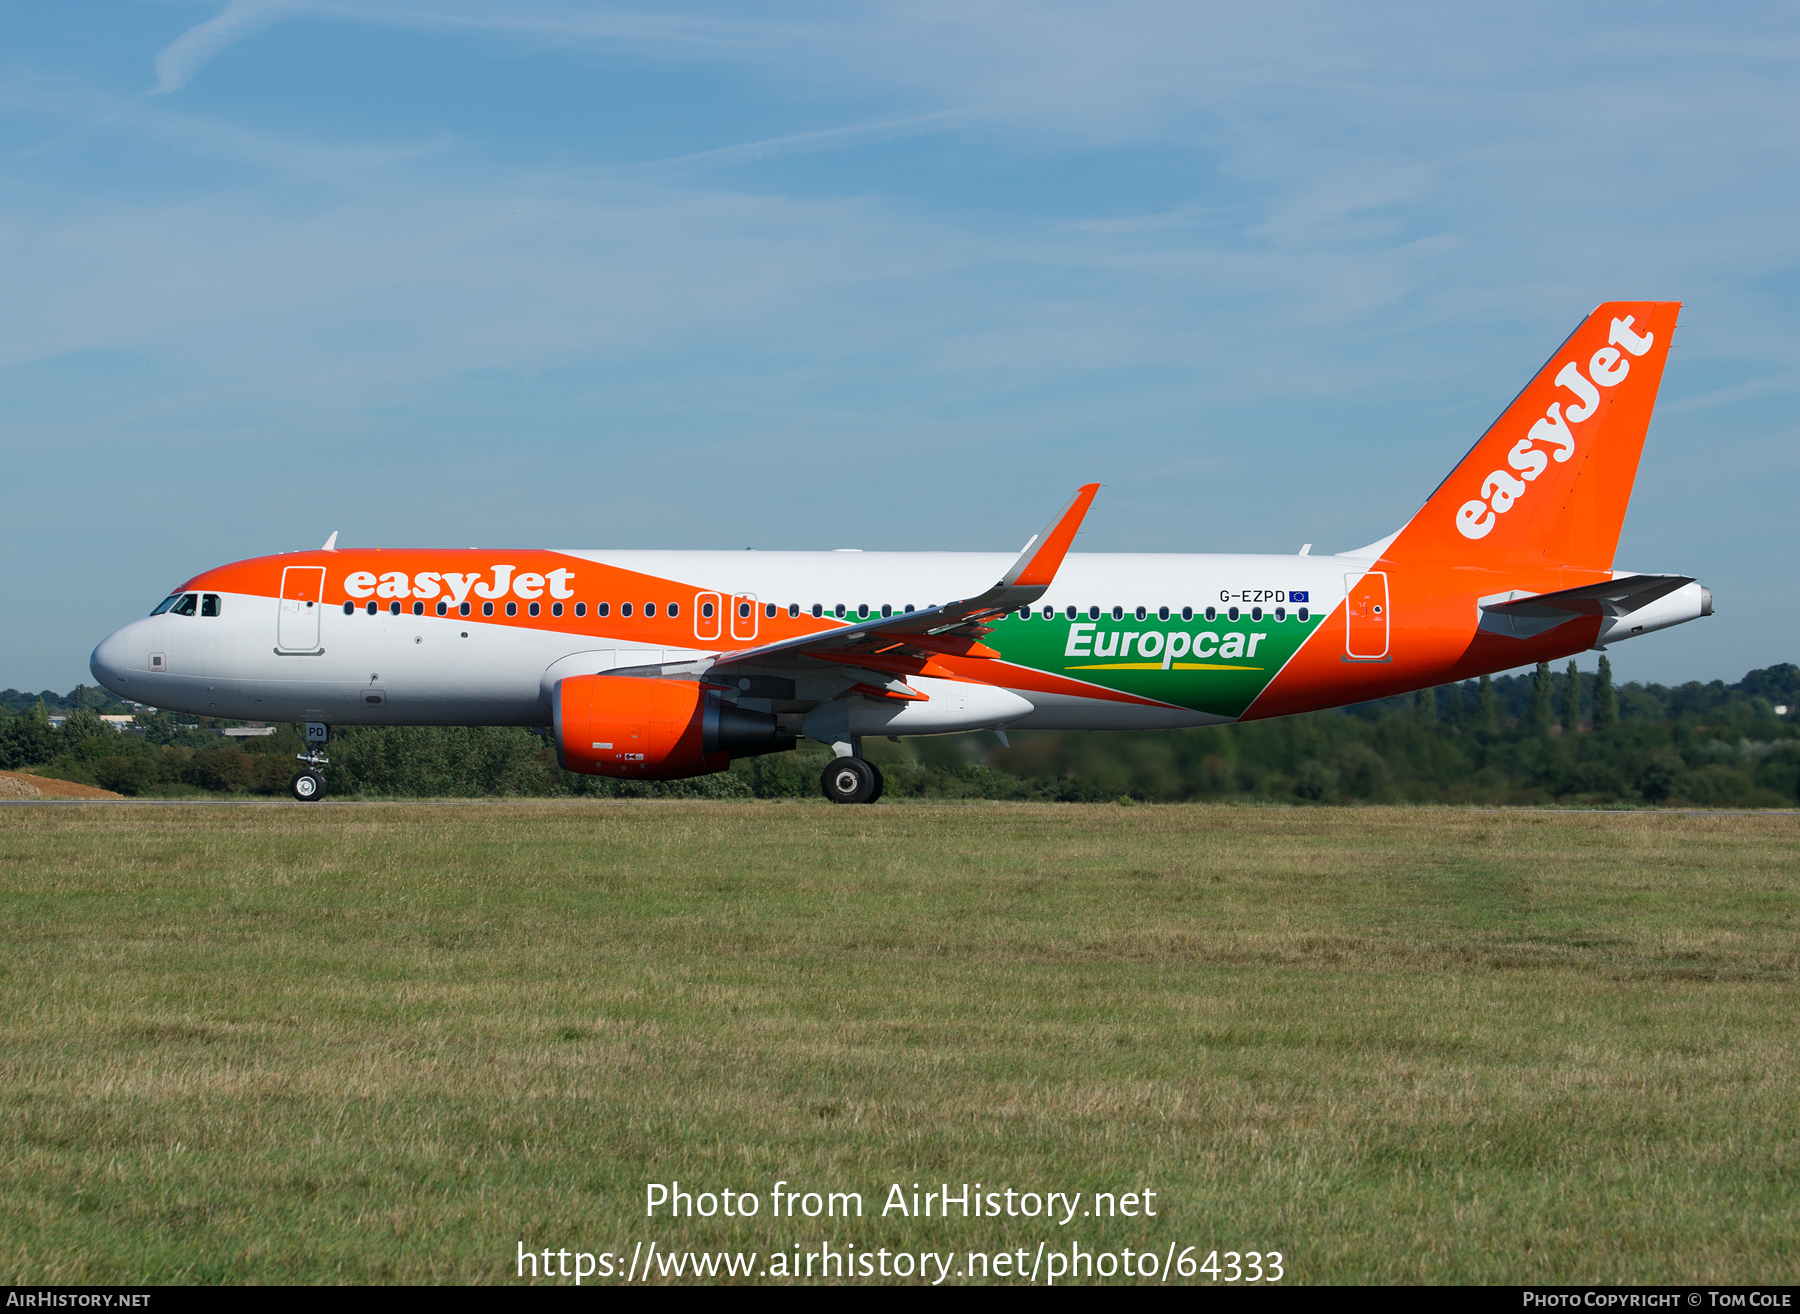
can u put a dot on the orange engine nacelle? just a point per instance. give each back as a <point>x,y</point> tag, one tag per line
<point>651,729</point>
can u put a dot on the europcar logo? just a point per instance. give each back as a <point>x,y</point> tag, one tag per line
<point>1607,368</point>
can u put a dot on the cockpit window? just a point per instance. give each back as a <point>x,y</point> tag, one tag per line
<point>166,603</point>
<point>187,604</point>
<point>209,604</point>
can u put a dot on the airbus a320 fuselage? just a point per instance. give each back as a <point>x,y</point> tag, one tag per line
<point>660,665</point>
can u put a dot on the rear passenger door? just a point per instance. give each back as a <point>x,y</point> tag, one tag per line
<point>1366,616</point>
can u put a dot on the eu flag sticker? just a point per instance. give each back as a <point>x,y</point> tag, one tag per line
<point>1300,596</point>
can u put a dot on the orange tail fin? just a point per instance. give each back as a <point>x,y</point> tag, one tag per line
<point>1551,478</point>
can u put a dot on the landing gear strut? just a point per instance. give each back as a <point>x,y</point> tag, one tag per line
<point>309,785</point>
<point>852,780</point>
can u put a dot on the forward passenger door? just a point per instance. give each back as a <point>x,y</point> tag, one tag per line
<point>302,593</point>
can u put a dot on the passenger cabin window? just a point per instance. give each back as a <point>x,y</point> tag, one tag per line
<point>624,609</point>
<point>349,608</point>
<point>674,610</point>
<point>649,609</point>
<point>706,610</point>
<point>166,603</point>
<point>604,609</point>
<point>769,610</point>
<point>555,609</point>
<point>209,604</point>
<point>393,609</point>
<point>512,609</point>
<point>818,608</point>
<point>372,606</point>
<point>793,609</point>
<point>487,608</point>
<point>418,609</point>
<point>443,608</point>
<point>186,607</point>
<point>534,609</point>
<point>581,609</point>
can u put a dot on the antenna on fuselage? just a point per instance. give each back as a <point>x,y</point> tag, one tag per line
<point>330,543</point>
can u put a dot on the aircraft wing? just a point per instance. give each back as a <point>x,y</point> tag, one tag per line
<point>954,628</point>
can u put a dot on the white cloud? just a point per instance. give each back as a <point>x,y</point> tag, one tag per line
<point>828,139</point>
<point>183,57</point>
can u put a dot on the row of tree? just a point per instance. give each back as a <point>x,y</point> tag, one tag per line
<point>1547,737</point>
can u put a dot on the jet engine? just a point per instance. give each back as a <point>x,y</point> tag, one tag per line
<point>651,729</point>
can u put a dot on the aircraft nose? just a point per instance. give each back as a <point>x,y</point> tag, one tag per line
<point>111,662</point>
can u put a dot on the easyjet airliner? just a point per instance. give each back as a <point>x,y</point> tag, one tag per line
<point>659,665</point>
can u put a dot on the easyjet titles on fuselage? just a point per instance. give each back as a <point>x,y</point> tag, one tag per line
<point>427,584</point>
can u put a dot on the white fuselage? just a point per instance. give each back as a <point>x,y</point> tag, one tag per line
<point>461,670</point>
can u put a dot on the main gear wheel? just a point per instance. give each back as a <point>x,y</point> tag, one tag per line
<point>851,780</point>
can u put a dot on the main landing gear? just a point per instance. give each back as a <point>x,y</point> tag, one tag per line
<point>308,785</point>
<point>852,780</point>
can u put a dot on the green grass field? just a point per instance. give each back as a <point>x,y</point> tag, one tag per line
<point>392,1042</point>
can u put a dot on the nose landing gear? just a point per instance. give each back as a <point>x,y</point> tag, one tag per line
<point>308,786</point>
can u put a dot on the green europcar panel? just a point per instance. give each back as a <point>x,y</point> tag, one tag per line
<point>1217,666</point>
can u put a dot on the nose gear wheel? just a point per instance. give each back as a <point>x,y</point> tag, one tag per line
<point>308,785</point>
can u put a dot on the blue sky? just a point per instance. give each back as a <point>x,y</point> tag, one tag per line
<point>886,276</point>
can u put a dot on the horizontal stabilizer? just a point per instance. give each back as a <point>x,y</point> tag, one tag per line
<point>1521,615</point>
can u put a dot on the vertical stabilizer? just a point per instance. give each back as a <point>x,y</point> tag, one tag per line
<point>1549,482</point>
